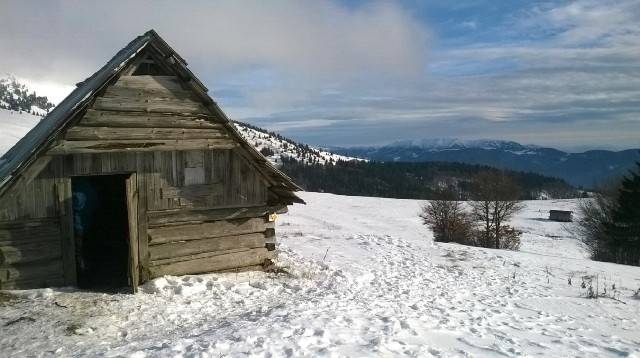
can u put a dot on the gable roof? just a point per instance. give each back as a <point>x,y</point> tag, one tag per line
<point>22,154</point>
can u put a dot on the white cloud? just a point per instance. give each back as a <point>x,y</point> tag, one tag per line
<point>588,22</point>
<point>471,25</point>
<point>319,40</point>
<point>563,74</point>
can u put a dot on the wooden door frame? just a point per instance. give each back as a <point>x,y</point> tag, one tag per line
<point>131,189</point>
<point>65,191</point>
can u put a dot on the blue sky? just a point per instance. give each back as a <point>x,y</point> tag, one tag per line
<point>338,73</point>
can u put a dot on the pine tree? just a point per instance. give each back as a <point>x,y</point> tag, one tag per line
<point>624,230</point>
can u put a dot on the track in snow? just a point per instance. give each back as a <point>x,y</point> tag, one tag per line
<point>382,288</point>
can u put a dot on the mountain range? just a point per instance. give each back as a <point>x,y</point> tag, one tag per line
<point>587,169</point>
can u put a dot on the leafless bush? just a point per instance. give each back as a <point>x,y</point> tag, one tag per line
<point>495,202</point>
<point>594,214</point>
<point>509,238</point>
<point>448,221</point>
<point>599,286</point>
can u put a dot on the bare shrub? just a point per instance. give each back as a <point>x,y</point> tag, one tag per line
<point>448,220</point>
<point>594,214</point>
<point>509,238</point>
<point>496,200</point>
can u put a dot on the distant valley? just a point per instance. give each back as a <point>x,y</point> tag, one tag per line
<point>587,169</point>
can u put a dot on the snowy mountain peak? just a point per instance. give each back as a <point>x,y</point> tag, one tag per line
<point>441,144</point>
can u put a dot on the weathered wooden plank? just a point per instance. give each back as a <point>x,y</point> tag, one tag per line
<point>21,231</point>
<point>184,248</point>
<point>18,284</point>
<point>193,167</point>
<point>132,213</point>
<point>178,168</point>
<point>94,118</point>
<point>31,271</point>
<point>197,256</point>
<point>42,239</point>
<point>200,195</point>
<point>70,147</point>
<point>243,269</point>
<point>243,152</point>
<point>65,210</point>
<point>26,223</point>
<point>237,179</point>
<point>120,91</point>
<point>191,191</point>
<point>102,163</point>
<point>249,257</point>
<point>30,173</point>
<point>109,133</point>
<point>219,166</point>
<point>150,82</point>
<point>29,195</point>
<point>270,238</point>
<point>160,235</point>
<point>143,238</point>
<point>182,216</point>
<point>157,105</point>
<point>238,186</point>
<point>30,251</point>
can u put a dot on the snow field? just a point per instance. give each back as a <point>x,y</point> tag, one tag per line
<point>361,277</point>
<point>546,237</point>
<point>457,300</point>
<point>14,126</point>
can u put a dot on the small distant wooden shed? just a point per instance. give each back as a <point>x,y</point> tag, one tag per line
<point>560,215</point>
<point>136,174</point>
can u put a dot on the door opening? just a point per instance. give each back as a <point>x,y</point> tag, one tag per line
<point>101,231</point>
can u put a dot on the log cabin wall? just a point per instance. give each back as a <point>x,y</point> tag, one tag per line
<point>202,206</point>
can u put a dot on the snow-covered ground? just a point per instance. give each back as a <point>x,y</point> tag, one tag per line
<point>14,126</point>
<point>361,277</point>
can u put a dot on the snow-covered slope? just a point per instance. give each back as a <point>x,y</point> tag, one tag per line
<point>18,96</point>
<point>13,126</point>
<point>360,277</point>
<point>275,147</point>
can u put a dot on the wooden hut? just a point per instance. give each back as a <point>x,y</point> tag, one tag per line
<point>560,215</point>
<point>135,175</point>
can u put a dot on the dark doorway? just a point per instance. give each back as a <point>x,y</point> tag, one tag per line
<point>101,231</point>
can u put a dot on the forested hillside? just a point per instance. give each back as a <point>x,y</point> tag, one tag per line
<point>275,147</point>
<point>589,169</point>
<point>17,97</point>
<point>413,180</point>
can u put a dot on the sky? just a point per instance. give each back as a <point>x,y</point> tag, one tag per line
<point>564,74</point>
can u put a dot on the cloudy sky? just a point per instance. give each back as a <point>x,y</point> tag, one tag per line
<point>557,73</point>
